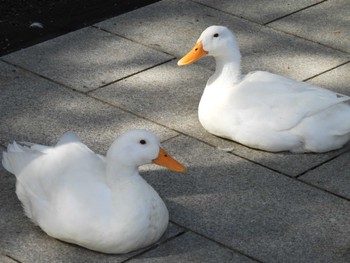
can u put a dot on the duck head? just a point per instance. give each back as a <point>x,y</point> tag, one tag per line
<point>216,41</point>
<point>138,147</point>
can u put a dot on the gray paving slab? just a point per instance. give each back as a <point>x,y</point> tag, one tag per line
<point>87,58</point>
<point>190,247</point>
<point>181,91</point>
<point>337,79</point>
<point>270,217</point>
<point>5,259</point>
<point>326,23</point>
<point>25,242</point>
<point>259,11</point>
<point>332,176</point>
<point>37,110</point>
<point>176,26</point>
<point>165,94</point>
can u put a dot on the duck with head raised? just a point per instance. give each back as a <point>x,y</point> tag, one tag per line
<point>264,110</point>
<point>101,203</point>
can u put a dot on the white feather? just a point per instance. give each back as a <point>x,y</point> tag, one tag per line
<point>265,110</point>
<point>98,202</point>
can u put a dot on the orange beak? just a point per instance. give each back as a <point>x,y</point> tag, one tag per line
<point>167,161</point>
<point>196,53</point>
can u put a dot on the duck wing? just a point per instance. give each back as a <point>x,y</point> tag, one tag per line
<point>282,103</point>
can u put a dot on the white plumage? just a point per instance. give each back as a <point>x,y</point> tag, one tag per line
<point>101,203</point>
<point>264,110</point>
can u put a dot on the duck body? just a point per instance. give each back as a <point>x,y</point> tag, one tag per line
<point>80,197</point>
<point>264,110</point>
<point>274,113</point>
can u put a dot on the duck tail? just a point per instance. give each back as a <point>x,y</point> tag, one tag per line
<point>17,157</point>
<point>6,162</point>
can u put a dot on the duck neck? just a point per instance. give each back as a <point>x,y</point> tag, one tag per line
<point>228,69</point>
<point>117,172</point>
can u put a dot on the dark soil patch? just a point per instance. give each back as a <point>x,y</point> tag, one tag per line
<point>56,16</point>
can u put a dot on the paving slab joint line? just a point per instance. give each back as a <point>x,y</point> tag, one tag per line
<point>252,161</point>
<point>87,94</point>
<point>297,11</point>
<point>133,113</point>
<point>171,138</point>
<point>323,190</point>
<point>82,92</point>
<point>128,76</point>
<point>323,72</point>
<point>218,243</point>
<point>227,13</point>
<point>154,246</point>
<point>133,40</point>
<point>275,29</point>
<point>300,179</point>
<point>309,40</point>
<point>296,178</point>
<point>41,76</point>
<point>10,257</point>
<point>318,165</point>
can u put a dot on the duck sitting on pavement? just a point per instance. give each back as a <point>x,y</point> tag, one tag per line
<point>101,203</point>
<point>264,110</point>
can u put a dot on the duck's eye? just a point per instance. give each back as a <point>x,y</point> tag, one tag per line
<point>142,142</point>
<point>216,35</point>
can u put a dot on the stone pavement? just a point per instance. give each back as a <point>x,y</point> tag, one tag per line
<point>239,206</point>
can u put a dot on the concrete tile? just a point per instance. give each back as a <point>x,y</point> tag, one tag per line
<point>337,79</point>
<point>178,25</point>
<point>181,89</point>
<point>36,110</point>
<point>259,11</point>
<point>87,58</point>
<point>265,215</point>
<point>190,247</point>
<point>332,176</point>
<point>25,242</point>
<point>165,94</point>
<point>326,23</point>
<point>5,259</point>
<point>288,163</point>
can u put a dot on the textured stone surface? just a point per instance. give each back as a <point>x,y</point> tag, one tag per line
<point>332,176</point>
<point>179,89</point>
<point>326,23</point>
<point>87,58</point>
<point>201,250</point>
<point>176,26</point>
<point>270,217</point>
<point>337,79</point>
<point>5,259</point>
<point>259,11</point>
<point>36,110</point>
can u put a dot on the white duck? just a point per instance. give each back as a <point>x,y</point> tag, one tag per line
<point>263,110</point>
<point>101,203</point>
